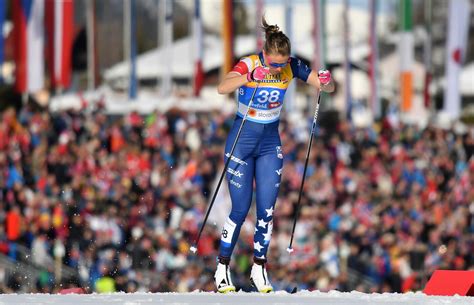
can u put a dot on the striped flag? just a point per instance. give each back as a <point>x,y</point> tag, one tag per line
<point>228,36</point>
<point>406,51</point>
<point>28,33</point>
<point>59,17</point>
<point>373,61</point>
<point>458,27</point>
<point>199,52</point>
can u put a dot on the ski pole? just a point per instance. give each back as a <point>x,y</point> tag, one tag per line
<point>193,248</point>
<point>298,206</point>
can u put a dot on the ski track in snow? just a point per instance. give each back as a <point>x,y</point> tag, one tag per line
<point>244,298</point>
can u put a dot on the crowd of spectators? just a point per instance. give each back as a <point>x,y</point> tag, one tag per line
<point>119,199</point>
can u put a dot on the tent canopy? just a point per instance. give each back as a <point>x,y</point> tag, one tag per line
<point>151,64</point>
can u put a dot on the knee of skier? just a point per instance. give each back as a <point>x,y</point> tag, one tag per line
<point>238,217</point>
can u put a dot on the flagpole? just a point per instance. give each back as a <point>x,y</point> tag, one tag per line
<point>291,90</point>
<point>160,25</point>
<point>347,60</point>
<point>199,52</point>
<point>132,92</point>
<point>3,10</point>
<point>322,15</point>
<point>168,41</point>
<point>58,36</point>
<point>258,23</point>
<point>373,62</point>
<point>317,51</point>
<point>324,50</point>
<point>126,38</point>
<point>90,45</point>
<point>427,56</point>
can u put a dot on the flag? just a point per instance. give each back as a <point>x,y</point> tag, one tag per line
<point>374,104</point>
<point>167,44</point>
<point>2,41</point>
<point>199,52</point>
<point>28,33</point>
<point>258,28</point>
<point>228,36</point>
<point>406,51</point>
<point>347,60</point>
<point>458,26</point>
<point>59,17</point>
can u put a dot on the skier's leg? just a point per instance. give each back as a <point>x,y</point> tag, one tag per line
<point>239,177</point>
<point>268,169</point>
<point>240,182</point>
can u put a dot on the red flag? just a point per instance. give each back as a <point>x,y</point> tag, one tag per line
<point>60,27</point>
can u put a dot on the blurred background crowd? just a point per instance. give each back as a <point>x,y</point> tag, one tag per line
<point>112,138</point>
<point>118,199</point>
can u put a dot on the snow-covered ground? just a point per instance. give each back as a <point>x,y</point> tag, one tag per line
<point>240,298</point>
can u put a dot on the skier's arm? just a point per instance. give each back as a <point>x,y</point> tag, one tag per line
<point>314,80</point>
<point>231,82</point>
<point>243,72</point>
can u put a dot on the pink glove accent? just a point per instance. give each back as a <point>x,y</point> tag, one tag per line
<point>324,77</point>
<point>257,74</point>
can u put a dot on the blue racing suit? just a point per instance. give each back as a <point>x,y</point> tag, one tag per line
<point>257,153</point>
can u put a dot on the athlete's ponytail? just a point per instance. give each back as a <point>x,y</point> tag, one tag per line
<point>276,42</point>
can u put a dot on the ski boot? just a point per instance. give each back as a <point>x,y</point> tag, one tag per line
<point>222,279</point>
<point>259,278</point>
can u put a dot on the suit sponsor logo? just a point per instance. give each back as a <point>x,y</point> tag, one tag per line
<point>236,173</point>
<point>269,114</point>
<point>236,160</point>
<point>236,184</point>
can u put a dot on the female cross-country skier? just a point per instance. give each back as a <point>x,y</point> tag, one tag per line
<point>258,150</point>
